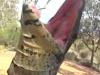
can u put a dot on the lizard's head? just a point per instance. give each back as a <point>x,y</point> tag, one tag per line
<point>30,12</point>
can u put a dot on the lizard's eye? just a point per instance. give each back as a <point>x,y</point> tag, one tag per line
<point>27,9</point>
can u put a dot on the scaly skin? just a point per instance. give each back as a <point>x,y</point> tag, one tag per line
<point>37,52</point>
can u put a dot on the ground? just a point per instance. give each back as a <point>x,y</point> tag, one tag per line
<point>67,67</point>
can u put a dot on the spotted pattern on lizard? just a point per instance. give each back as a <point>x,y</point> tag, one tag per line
<point>37,52</point>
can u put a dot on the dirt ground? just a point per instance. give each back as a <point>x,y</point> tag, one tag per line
<point>67,68</point>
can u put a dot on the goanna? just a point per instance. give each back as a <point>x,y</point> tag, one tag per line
<point>37,52</point>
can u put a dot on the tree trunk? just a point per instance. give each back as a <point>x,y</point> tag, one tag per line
<point>92,57</point>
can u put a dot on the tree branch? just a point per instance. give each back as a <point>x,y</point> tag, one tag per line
<point>86,45</point>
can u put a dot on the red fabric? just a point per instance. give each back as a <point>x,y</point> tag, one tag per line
<point>63,22</point>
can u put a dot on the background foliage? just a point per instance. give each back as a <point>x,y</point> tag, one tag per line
<point>87,47</point>
<point>85,50</point>
<point>9,30</point>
